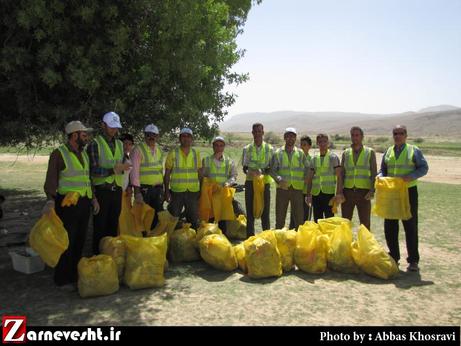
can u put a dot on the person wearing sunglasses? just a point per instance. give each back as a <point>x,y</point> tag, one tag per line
<point>407,162</point>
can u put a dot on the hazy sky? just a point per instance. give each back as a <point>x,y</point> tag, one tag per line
<point>371,56</point>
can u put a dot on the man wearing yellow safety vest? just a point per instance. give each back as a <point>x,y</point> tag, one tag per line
<point>289,168</point>
<point>322,187</point>
<point>256,160</point>
<point>221,169</point>
<point>69,172</point>
<point>147,172</point>
<point>182,176</point>
<point>358,164</point>
<point>107,168</point>
<point>405,161</point>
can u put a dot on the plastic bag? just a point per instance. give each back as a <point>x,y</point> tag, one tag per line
<point>329,225</point>
<point>262,256</point>
<point>145,261</point>
<point>370,256</point>
<point>391,199</point>
<point>116,248</point>
<point>205,205</point>
<point>143,216</point>
<point>182,245</point>
<point>258,196</point>
<point>217,251</point>
<point>311,249</point>
<point>286,244</point>
<point>237,229</point>
<point>166,223</point>
<point>239,251</point>
<point>340,252</point>
<point>70,199</point>
<point>49,238</point>
<point>222,204</point>
<point>206,229</point>
<point>97,276</point>
<point>126,223</point>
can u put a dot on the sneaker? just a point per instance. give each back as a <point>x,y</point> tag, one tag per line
<point>413,267</point>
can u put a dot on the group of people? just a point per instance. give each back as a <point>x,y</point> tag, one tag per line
<point>100,170</point>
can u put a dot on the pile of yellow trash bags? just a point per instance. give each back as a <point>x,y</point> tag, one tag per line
<point>215,201</point>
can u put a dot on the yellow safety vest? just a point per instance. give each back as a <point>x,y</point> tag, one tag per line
<point>108,160</point>
<point>402,166</point>
<point>151,170</point>
<point>259,160</point>
<point>221,174</point>
<point>75,177</point>
<point>291,171</point>
<point>184,175</point>
<point>325,178</point>
<point>357,174</point>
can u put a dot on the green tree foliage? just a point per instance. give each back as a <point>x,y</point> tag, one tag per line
<point>163,61</point>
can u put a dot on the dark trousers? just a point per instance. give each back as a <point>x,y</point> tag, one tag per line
<point>265,217</point>
<point>153,196</point>
<point>296,201</point>
<point>356,198</point>
<point>105,223</point>
<point>305,214</point>
<point>321,208</point>
<point>75,220</point>
<point>391,231</point>
<point>189,201</point>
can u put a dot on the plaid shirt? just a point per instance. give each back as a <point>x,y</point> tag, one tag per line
<point>93,154</point>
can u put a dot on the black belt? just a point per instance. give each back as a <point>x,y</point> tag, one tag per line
<point>356,189</point>
<point>108,187</point>
<point>144,186</point>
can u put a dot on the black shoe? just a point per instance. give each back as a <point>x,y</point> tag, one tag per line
<point>413,267</point>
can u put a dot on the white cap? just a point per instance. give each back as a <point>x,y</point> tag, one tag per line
<point>112,120</point>
<point>185,130</point>
<point>219,138</point>
<point>151,128</point>
<point>290,129</point>
<point>75,126</point>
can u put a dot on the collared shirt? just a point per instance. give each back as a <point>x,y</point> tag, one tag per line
<point>136,161</point>
<point>55,166</point>
<point>421,166</point>
<point>246,157</point>
<point>275,164</point>
<point>93,154</point>
<point>170,161</point>
<point>355,157</point>
<point>334,161</point>
<point>218,162</point>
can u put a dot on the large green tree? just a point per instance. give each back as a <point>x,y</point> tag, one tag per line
<point>161,61</point>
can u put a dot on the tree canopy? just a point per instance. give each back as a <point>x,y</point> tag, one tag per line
<point>161,61</point>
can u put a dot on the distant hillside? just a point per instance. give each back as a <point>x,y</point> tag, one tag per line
<point>422,123</point>
<point>440,108</point>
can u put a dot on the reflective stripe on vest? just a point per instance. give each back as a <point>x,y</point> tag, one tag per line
<point>74,177</point>
<point>221,174</point>
<point>184,175</point>
<point>108,160</point>
<point>151,169</point>
<point>402,166</point>
<point>292,172</point>
<point>324,178</point>
<point>259,160</point>
<point>357,174</point>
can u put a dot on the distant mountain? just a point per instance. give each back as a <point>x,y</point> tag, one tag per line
<point>440,108</point>
<point>422,123</point>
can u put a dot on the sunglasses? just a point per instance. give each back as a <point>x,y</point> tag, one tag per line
<point>399,133</point>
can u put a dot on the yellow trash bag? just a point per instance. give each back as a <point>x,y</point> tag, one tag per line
<point>239,251</point>
<point>340,252</point>
<point>328,225</point>
<point>182,245</point>
<point>145,261</point>
<point>49,238</point>
<point>166,223</point>
<point>126,223</point>
<point>205,205</point>
<point>262,256</point>
<point>116,248</point>
<point>311,249</point>
<point>286,244</point>
<point>70,199</point>
<point>237,229</point>
<point>206,229</point>
<point>97,276</point>
<point>370,256</point>
<point>143,216</point>
<point>217,251</point>
<point>391,199</point>
<point>222,204</point>
<point>258,196</point>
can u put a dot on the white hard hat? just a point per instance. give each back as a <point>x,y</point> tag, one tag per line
<point>290,129</point>
<point>185,130</point>
<point>75,126</point>
<point>219,138</point>
<point>112,120</point>
<point>151,128</point>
